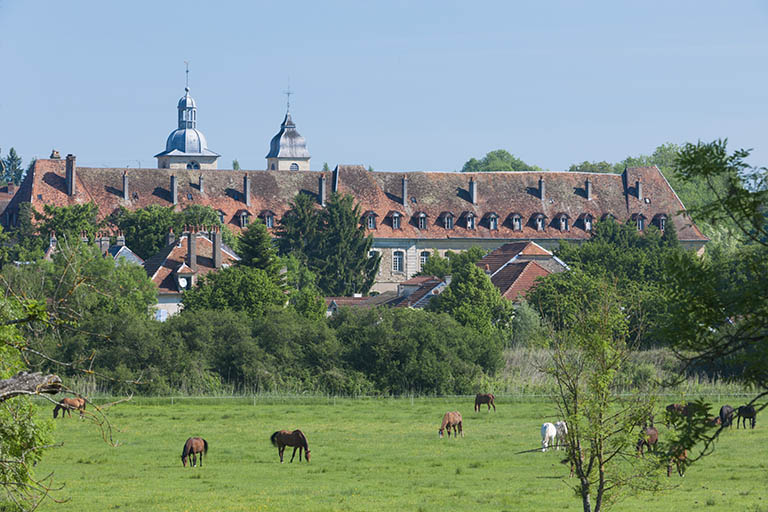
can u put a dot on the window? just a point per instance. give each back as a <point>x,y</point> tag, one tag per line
<point>517,223</point>
<point>493,222</point>
<point>662,220</point>
<point>448,221</point>
<point>221,216</point>
<point>422,221</point>
<point>423,257</point>
<point>470,221</point>
<point>588,223</point>
<point>640,223</point>
<point>563,223</point>
<point>272,167</point>
<point>398,258</point>
<point>371,222</point>
<point>294,166</point>
<point>193,165</point>
<point>243,219</point>
<point>395,220</point>
<point>540,223</point>
<point>269,220</point>
<point>371,253</point>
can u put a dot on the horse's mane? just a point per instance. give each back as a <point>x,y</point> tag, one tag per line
<point>303,439</point>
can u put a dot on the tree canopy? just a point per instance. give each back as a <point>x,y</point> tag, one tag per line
<point>498,160</point>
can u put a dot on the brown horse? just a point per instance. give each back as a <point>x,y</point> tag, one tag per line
<point>486,398</point>
<point>649,436</point>
<point>744,413</point>
<point>67,405</point>
<point>192,447</point>
<point>297,439</point>
<point>451,419</point>
<point>679,461</point>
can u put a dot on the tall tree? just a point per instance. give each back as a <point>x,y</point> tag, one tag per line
<point>69,221</point>
<point>235,165</point>
<point>499,160</point>
<point>298,229</point>
<point>237,288</point>
<point>14,172</point>
<point>257,249</point>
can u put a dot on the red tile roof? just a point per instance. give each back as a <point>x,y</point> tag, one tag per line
<point>514,280</point>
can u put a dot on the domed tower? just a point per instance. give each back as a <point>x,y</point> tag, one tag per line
<point>186,147</point>
<point>288,149</point>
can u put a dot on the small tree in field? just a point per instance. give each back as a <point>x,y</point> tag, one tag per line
<point>603,425</point>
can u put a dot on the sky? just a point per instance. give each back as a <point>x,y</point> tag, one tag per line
<point>396,85</point>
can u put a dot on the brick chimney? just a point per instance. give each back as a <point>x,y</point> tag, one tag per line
<point>639,190</point>
<point>170,238</point>
<point>120,239</point>
<point>200,184</point>
<point>247,190</point>
<point>542,189</point>
<point>125,186</point>
<point>588,189</point>
<point>104,243</point>
<point>473,190</point>
<point>322,189</point>
<point>405,190</point>
<point>192,248</point>
<point>216,247</point>
<point>71,175</point>
<point>174,190</point>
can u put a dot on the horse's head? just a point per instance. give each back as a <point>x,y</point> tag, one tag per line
<point>440,433</point>
<point>306,455</point>
<point>184,460</point>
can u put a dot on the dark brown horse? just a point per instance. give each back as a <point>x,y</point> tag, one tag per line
<point>484,398</point>
<point>192,447</point>
<point>649,436</point>
<point>746,412</point>
<point>726,415</point>
<point>67,405</point>
<point>451,419</point>
<point>297,439</point>
<point>679,461</point>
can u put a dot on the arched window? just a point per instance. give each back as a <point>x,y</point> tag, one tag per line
<point>244,218</point>
<point>371,221</point>
<point>398,260</point>
<point>540,222</point>
<point>448,221</point>
<point>423,257</point>
<point>294,166</point>
<point>640,223</point>
<point>587,222</point>
<point>269,220</point>
<point>470,221</point>
<point>493,222</point>
<point>422,221</point>
<point>193,165</point>
<point>395,220</point>
<point>517,223</point>
<point>221,216</point>
<point>563,223</point>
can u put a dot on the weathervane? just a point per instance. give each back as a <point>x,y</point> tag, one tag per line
<point>186,63</point>
<point>288,94</point>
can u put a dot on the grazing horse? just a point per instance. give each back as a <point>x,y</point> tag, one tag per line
<point>548,435</point>
<point>726,416</point>
<point>297,439</point>
<point>68,404</point>
<point>746,412</point>
<point>451,419</point>
<point>486,398</point>
<point>192,447</point>
<point>676,410</point>
<point>562,431</point>
<point>649,436</point>
<point>679,461</point>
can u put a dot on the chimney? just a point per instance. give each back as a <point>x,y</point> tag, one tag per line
<point>84,237</point>
<point>55,155</point>
<point>216,247</point>
<point>120,239</point>
<point>588,188</point>
<point>192,248</point>
<point>104,243</point>
<point>52,240</point>
<point>71,175</point>
<point>125,185</point>
<point>170,238</point>
<point>322,189</point>
<point>247,190</point>
<point>639,190</point>
<point>542,190</point>
<point>11,188</point>
<point>174,190</point>
<point>405,190</point>
<point>200,184</point>
<point>473,190</point>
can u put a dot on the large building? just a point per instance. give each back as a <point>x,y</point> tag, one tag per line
<point>409,214</point>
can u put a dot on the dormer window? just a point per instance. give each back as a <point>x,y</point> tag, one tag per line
<point>244,218</point>
<point>421,220</point>
<point>221,216</point>
<point>269,220</point>
<point>493,222</point>
<point>661,221</point>
<point>540,220</point>
<point>517,222</point>
<point>447,220</point>
<point>470,221</point>
<point>395,217</point>
<point>563,222</point>
<point>588,222</point>
<point>639,219</point>
<point>371,221</point>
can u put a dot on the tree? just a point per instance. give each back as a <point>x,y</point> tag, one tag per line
<point>235,165</point>
<point>237,288</point>
<point>526,328</point>
<point>257,250</point>
<point>69,221</point>
<point>441,267</point>
<point>499,160</point>
<point>325,167</point>
<point>298,228</point>
<point>14,172</point>
<point>587,359</point>
<point>718,306</point>
<point>586,166</point>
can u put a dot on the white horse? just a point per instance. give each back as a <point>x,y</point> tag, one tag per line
<point>562,431</point>
<point>548,435</point>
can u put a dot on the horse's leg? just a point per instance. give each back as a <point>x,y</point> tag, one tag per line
<point>201,459</point>
<point>294,454</point>
<point>494,407</point>
<point>280,451</point>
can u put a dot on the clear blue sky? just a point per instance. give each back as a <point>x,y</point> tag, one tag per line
<point>396,85</point>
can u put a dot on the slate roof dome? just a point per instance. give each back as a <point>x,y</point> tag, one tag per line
<point>187,139</point>
<point>186,101</point>
<point>288,143</point>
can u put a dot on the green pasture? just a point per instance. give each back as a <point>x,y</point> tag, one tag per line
<point>367,454</point>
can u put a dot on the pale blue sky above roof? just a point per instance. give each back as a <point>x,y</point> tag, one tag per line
<point>396,85</point>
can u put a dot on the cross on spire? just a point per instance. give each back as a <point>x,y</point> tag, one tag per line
<point>288,94</point>
<point>186,62</point>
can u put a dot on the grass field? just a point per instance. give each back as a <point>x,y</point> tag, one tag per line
<point>367,454</point>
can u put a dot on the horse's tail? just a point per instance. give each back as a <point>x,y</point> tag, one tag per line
<point>274,438</point>
<point>205,447</point>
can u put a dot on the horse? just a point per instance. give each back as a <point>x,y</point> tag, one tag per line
<point>297,439</point>
<point>486,398</point>
<point>192,447</point>
<point>679,461</point>
<point>746,412</point>
<point>67,405</point>
<point>562,431</point>
<point>726,416</point>
<point>676,410</point>
<point>451,419</point>
<point>548,435</point>
<point>649,436</point>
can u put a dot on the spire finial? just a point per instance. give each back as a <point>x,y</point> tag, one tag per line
<point>186,63</point>
<point>288,94</point>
